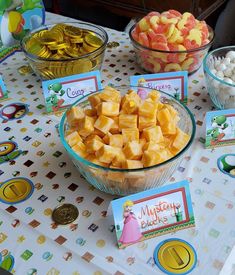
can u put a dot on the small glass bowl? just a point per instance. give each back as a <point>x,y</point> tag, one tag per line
<point>159,61</point>
<point>221,92</point>
<point>50,68</point>
<point>128,181</point>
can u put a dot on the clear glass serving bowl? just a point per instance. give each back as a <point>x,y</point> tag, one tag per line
<point>221,92</point>
<point>128,181</point>
<point>50,68</point>
<point>157,61</point>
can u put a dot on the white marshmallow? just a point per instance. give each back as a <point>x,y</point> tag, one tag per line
<point>228,72</point>
<point>226,61</point>
<point>231,55</point>
<point>220,75</point>
<point>228,80</point>
<point>221,67</point>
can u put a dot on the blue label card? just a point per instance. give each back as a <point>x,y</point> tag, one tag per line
<point>153,212</point>
<point>3,89</point>
<point>173,83</point>
<point>220,128</point>
<point>60,93</point>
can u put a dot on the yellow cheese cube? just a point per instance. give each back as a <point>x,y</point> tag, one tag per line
<point>73,138</point>
<point>164,117</point>
<point>151,145</point>
<point>115,126</point>
<point>172,110</point>
<point>98,133</point>
<point>151,157</point>
<point>130,103</point>
<point>169,129</point>
<point>94,100</point>
<point>108,108</point>
<point>90,112</point>
<point>148,109</point>
<point>160,105</point>
<point>154,95</point>
<point>116,140</point>
<point>86,126</point>
<point>180,140</point>
<point>103,123</point>
<point>74,115</point>
<point>80,149</point>
<point>132,164</point>
<point>127,121</point>
<point>116,177</point>
<point>153,133</point>
<point>130,134</point>
<point>110,94</point>
<point>107,153</point>
<point>133,150</point>
<point>119,159</point>
<point>146,122</point>
<point>93,146</point>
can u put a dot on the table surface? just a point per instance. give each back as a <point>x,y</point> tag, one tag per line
<point>89,245</point>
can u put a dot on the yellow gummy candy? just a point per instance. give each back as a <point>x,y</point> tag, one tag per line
<point>186,64</point>
<point>172,67</point>
<point>195,35</point>
<point>143,24</point>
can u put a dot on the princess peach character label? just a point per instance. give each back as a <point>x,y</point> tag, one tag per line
<point>153,212</point>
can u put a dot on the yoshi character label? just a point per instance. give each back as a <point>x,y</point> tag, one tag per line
<point>60,93</point>
<point>220,128</point>
<point>17,18</point>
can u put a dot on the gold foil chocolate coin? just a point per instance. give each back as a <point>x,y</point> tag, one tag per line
<point>65,214</point>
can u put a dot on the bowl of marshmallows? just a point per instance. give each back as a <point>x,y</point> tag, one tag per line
<point>219,69</point>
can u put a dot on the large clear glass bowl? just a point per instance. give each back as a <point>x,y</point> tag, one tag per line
<point>157,61</point>
<point>50,68</point>
<point>221,92</point>
<point>128,181</point>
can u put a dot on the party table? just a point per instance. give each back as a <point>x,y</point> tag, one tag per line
<point>29,240</point>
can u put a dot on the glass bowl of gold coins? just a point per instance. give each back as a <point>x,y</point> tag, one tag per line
<point>65,49</point>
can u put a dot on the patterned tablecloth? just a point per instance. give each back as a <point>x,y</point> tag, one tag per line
<point>28,237</point>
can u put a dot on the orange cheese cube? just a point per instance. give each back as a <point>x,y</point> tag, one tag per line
<point>153,133</point>
<point>148,109</point>
<point>132,164</point>
<point>93,158</point>
<point>107,153</point>
<point>86,126</point>
<point>116,177</point>
<point>116,140</point>
<point>93,145</point>
<point>146,122</point>
<point>115,126</point>
<point>160,105</point>
<point>74,115</point>
<point>164,116</point>
<point>130,134</point>
<point>151,157</point>
<point>130,103</point>
<point>90,112</point>
<point>110,94</point>
<point>172,110</point>
<point>133,150</point>
<point>94,100</point>
<point>103,123</point>
<point>108,108</point>
<point>73,138</point>
<point>127,121</point>
<point>142,142</point>
<point>98,133</point>
<point>119,159</point>
<point>180,140</point>
<point>92,137</point>
<point>80,149</point>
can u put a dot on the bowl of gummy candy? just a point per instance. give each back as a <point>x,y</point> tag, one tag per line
<point>123,143</point>
<point>170,41</point>
<point>219,69</point>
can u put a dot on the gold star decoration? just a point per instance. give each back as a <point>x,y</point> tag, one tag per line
<point>21,239</point>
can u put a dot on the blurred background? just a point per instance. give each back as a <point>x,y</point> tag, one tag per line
<point>118,14</point>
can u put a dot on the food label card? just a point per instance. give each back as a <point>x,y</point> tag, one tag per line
<point>3,90</point>
<point>60,93</point>
<point>153,212</point>
<point>173,83</point>
<point>220,128</point>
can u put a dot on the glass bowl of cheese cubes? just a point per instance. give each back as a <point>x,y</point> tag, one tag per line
<point>124,141</point>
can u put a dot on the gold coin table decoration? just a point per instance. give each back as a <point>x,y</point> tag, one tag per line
<point>64,50</point>
<point>65,214</point>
